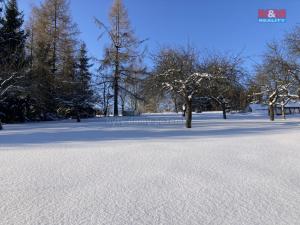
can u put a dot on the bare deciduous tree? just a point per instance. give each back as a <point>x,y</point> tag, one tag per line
<point>227,72</point>
<point>276,80</point>
<point>178,72</point>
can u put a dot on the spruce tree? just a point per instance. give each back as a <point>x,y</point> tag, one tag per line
<point>84,74</point>
<point>12,62</point>
<point>83,98</point>
<point>13,37</point>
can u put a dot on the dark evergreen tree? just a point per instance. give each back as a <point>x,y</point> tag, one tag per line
<point>84,74</point>
<point>13,37</point>
<point>12,61</point>
<point>83,98</point>
<point>1,27</point>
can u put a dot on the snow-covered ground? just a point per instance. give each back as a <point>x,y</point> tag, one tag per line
<point>150,170</point>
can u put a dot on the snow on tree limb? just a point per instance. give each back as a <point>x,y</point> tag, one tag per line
<point>8,84</point>
<point>186,84</point>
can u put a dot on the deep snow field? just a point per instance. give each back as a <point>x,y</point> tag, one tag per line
<point>151,170</point>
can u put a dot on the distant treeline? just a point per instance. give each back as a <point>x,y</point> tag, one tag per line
<point>45,70</point>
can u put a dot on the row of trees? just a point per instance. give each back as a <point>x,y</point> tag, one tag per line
<point>277,78</point>
<point>44,68</point>
<point>49,71</point>
<point>181,76</point>
<point>178,73</point>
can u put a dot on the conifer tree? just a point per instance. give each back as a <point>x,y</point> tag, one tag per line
<point>83,98</point>
<point>84,75</point>
<point>13,36</point>
<point>12,61</point>
<point>53,46</point>
<point>123,54</point>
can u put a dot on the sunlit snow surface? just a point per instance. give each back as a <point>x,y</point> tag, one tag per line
<point>150,170</point>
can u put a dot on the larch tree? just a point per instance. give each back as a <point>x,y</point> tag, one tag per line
<point>53,44</point>
<point>123,51</point>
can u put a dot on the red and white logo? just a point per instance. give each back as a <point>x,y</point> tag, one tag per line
<point>272,15</point>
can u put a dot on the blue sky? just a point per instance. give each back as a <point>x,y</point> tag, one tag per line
<point>211,25</point>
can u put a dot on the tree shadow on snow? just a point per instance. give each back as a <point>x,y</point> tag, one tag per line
<point>90,131</point>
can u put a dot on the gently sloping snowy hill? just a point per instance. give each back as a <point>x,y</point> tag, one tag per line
<point>151,170</point>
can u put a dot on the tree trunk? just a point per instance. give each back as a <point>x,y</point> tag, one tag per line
<point>123,107</point>
<point>78,117</point>
<point>283,111</point>
<point>27,107</point>
<point>116,83</point>
<point>271,112</point>
<point>116,95</point>
<point>175,105</point>
<point>135,105</point>
<point>54,57</point>
<point>104,100</point>
<point>21,113</point>
<point>224,111</point>
<point>188,114</point>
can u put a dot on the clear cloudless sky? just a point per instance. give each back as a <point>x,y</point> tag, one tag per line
<point>211,25</point>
